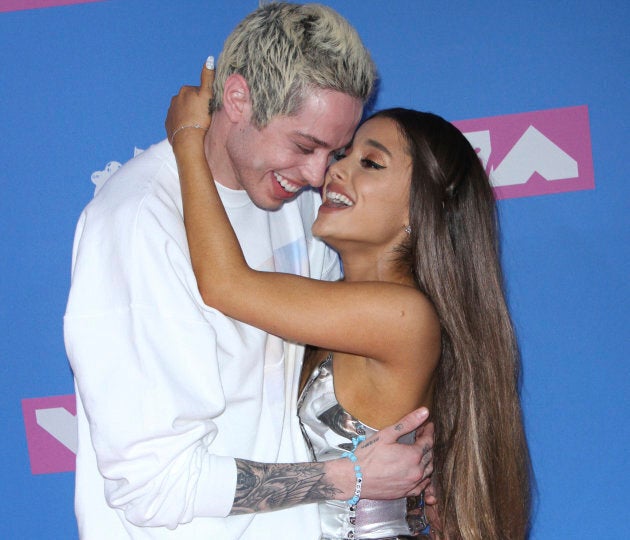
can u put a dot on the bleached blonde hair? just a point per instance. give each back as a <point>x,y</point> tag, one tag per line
<point>283,50</point>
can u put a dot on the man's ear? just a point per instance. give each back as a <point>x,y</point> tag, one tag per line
<point>236,98</point>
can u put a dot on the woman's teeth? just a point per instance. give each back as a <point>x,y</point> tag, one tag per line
<point>286,185</point>
<point>338,198</point>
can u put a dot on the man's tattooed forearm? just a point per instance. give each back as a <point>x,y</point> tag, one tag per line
<point>262,487</point>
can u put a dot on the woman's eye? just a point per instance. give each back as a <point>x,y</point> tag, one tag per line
<point>369,164</point>
<point>338,156</point>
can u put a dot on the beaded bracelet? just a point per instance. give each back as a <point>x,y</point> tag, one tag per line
<point>357,469</point>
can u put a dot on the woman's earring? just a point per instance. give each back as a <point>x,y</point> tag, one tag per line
<point>408,229</point>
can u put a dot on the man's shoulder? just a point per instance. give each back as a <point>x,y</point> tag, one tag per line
<point>138,172</point>
<point>150,175</point>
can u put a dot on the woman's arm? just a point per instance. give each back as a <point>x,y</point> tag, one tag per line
<point>367,318</point>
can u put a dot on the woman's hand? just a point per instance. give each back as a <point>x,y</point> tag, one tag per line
<point>190,108</point>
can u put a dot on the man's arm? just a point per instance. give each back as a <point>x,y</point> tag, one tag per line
<point>262,487</point>
<point>145,356</point>
<point>390,470</point>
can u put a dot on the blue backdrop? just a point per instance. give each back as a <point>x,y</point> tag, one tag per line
<point>83,85</point>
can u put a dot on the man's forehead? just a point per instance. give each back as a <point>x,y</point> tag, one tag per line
<point>326,119</point>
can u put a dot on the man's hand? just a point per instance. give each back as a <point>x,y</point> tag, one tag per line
<point>425,439</point>
<point>390,469</point>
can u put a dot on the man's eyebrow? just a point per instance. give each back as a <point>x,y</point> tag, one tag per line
<point>313,139</point>
<point>379,145</point>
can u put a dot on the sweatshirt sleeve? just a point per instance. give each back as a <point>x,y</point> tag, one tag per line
<point>145,359</point>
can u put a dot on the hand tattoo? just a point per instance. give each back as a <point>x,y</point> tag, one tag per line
<point>369,442</point>
<point>263,487</point>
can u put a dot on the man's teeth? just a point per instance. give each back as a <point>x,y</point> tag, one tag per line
<point>338,198</point>
<point>288,186</point>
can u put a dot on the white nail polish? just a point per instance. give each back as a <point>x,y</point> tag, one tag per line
<point>210,62</point>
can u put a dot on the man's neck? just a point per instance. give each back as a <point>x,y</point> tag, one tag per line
<point>217,156</point>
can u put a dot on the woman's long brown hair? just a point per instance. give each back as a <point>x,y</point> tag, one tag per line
<point>482,466</point>
<point>482,470</point>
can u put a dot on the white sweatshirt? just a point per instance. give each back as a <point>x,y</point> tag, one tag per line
<point>170,391</point>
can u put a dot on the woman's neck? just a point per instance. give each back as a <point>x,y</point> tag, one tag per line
<point>380,266</point>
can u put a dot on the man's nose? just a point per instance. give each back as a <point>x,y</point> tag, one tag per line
<point>315,170</point>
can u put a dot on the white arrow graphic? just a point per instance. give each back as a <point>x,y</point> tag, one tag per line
<point>61,424</point>
<point>480,141</point>
<point>534,153</point>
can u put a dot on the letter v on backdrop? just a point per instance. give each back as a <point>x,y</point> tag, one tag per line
<point>534,153</point>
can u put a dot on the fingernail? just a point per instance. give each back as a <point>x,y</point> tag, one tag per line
<point>210,62</point>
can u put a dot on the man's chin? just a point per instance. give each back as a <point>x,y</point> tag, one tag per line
<point>273,203</point>
<point>268,204</point>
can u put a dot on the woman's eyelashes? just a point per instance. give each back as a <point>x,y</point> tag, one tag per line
<point>367,162</point>
<point>371,164</point>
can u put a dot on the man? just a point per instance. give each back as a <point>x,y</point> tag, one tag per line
<point>183,412</point>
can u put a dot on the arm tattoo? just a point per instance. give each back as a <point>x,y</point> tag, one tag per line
<point>262,487</point>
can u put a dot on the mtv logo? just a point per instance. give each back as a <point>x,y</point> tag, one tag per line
<point>51,433</point>
<point>17,5</point>
<point>534,153</point>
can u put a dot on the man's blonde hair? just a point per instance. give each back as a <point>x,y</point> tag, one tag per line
<point>283,50</point>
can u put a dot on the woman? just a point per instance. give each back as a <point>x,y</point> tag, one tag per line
<point>420,317</point>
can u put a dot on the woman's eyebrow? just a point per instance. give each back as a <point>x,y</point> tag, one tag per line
<point>378,145</point>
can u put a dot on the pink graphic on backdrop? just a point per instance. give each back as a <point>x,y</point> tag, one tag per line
<point>534,153</point>
<point>51,433</point>
<point>18,5</point>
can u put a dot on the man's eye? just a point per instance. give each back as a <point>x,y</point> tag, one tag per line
<point>369,164</point>
<point>304,149</point>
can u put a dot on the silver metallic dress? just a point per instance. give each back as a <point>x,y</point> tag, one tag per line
<point>328,429</point>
